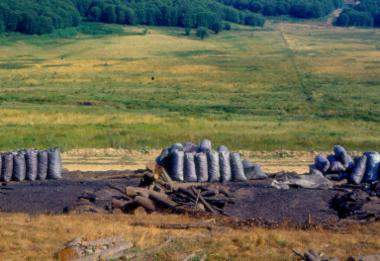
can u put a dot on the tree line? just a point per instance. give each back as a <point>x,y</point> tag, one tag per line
<point>182,13</point>
<point>294,8</point>
<point>366,13</point>
<point>37,17</point>
<point>44,16</point>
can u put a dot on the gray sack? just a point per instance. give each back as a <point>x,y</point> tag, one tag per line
<point>237,168</point>
<point>190,173</point>
<point>176,168</point>
<point>358,171</point>
<point>19,166</point>
<point>31,164</point>
<point>253,171</point>
<point>342,155</point>
<point>225,166</point>
<point>42,164</point>
<point>190,147</point>
<point>372,169</point>
<point>322,163</point>
<point>6,167</point>
<point>201,167</point>
<point>54,164</point>
<point>313,170</point>
<point>205,146</point>
<point>213,166</point>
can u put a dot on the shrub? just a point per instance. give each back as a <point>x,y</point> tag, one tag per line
<point>227,26</point>
<point>216,27</point>
<point>187,31</point>
<point>254,20</point>
<point>202,32</point>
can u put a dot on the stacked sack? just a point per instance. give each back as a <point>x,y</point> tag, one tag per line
<point>190,163</point>
<point>363,169</point>
<point>30,165</point>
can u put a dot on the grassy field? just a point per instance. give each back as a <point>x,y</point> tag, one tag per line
<point>40,237</point>
<point>286,86</point>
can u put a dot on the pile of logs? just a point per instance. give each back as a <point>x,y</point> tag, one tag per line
<point>160,193</point>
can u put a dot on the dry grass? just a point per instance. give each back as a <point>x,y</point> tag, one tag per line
<point>244,79</point>
<point>26,237</point>
<point>122,159</point>
<point>14,116</point>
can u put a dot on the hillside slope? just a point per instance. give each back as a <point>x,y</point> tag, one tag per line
<point>292,86</point>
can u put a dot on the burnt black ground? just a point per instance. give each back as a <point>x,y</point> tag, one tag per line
<point>55,196</point>
<point>253,200</point>
<point>259,201</point>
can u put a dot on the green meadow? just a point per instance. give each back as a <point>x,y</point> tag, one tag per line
<point>285,86</point>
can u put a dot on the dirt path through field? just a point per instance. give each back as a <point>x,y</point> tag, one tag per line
<point>333,16</point>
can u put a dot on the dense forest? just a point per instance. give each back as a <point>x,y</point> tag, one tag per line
<point>366,13</point>
<point>37,17</point>
<point>295,8</point>
<point>43,16</point>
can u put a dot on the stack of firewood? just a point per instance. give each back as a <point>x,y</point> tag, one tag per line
<point>160,193</point>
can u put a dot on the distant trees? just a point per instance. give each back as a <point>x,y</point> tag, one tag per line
<point>367,13</point>
<point>254,20</point>
<point>183,13</point>
<point>202,32</point>
<point>227,26</point>
<point>216,27</point>
<point>295,8</point>
<point>43,16</point>
<point>187,31</point>
<point>2,26</point>
<point>37,17</point>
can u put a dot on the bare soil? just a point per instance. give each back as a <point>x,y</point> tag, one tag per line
<point>255,202</point>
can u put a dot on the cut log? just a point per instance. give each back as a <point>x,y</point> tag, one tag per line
<point>209,193</point>
<point>115,252</point>
<point>112,253</point>
<point>119,204</point>
<point>146,203</point>
<point>224,192</point>
<point>205,203</point>
<point>115,188</point>
<point>162,198</point>
<point>135,191</point>
<point>188,192</point>
<point>164,175</point>
<point>140,211</point>
<point>154,195</point>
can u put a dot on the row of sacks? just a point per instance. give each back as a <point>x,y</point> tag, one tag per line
<point>363,169</point>
<point>191,163</point>
<point>31,165</point>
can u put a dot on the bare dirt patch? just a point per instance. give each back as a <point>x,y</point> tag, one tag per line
<point>254,202</point>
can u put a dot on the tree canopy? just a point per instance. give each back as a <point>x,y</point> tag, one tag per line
<point>37,17</point>
<point>366,13</point>
<point>43,16</point>
<point>295,8</point>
